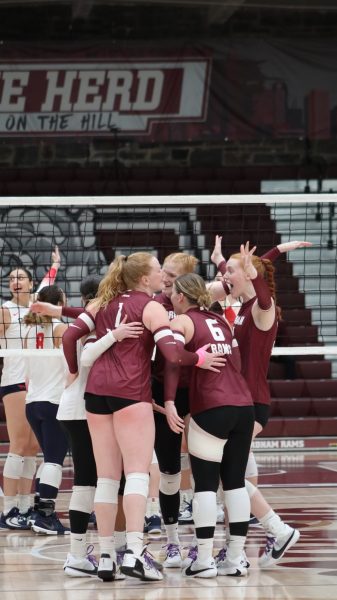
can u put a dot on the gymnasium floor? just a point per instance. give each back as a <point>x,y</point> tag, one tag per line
<point>305,494</point>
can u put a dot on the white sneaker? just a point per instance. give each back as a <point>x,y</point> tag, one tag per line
<point>221,557</point>
<point>106,568</point>
<point>173,558</point>
<point>275,548</point>
<point>192,555</point>
<point>80,567</point>
<point>232,568</point>
<point>141,566</point>
<point>203,570</point>
<point>186,514</point>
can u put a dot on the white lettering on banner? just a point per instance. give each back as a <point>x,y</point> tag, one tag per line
<point>89,97</point>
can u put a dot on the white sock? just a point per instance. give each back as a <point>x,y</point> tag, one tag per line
<point>24,503</point>
<point>107,545</point>
<point>134,541</point>
<point>152,507</point>
<point>78,545</point>
<point>172,534</point>
<point>205,549</point>
<point>271,522</point>
<point>120,539</point>
<point>235,546</point>
<point>9,503</point>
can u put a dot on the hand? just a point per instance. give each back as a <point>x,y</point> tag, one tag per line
<point>71,377</point>
<point>216,256</point>
<point>294,245</point>
<point>158,408</point>
<point>45,308</point>
<point>56,256</point>
<point>212,360</point>
<point>175,422</point>
<point>128,330</point>
<point>246,258</point>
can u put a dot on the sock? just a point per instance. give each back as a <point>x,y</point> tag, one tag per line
<point>78,545</point>
<point>205,549</point>
<point>9,503</point>
<point>235,546</point>
<point>152,507</point>
<point>107,546</point>
<point>271,522</point>
<point>23,503</point>
<point>120,539</point>
<point>172,534</point>
<point>134,541</point>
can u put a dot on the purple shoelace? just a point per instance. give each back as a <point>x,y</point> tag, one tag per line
<point>172,550</point>
<point>270,541</point>
<point>149,559</point>
<point>91,558</point>
<point>221,555</point>
<point>193,553</point>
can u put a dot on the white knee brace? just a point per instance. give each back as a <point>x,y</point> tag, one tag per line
<point>29,467</point>
<point>82,498</point>
<point>13,467</point>
<point>204,509</point>
<point>51,475</point>
<point>107,490</point>
<point>251,469</point>
<point>169,484</point>
<point>137,483</point>
<point>251,489</point>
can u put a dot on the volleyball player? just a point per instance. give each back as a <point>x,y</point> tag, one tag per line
<point>119,402</point>
<point>20,464</point>
<point>46,380</point>
<point>252,279</point>
<point>220,428</point>
<point>168,443</point>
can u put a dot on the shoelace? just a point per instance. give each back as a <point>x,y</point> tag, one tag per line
<point>149,559</point>
<point>188,506</point>
<point>172,550</point>
<point>91,558</point>
<point>192,552</point>
<point>221,555</point>
<point>270,541</point>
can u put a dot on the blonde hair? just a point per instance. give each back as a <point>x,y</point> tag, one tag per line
<point>124,273</point>
<point>185,262</point>
<point>193,287</point>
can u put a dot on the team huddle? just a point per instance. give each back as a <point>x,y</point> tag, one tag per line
<point>152,356</point>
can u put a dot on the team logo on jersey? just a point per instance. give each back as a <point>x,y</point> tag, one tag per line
<point>239,320</point>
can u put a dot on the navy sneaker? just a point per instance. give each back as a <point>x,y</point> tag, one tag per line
<point>186,516</point>
<point>92,520</point>
<point>152,525</point>
<point>10,515</point>
<point>50,525</point>
<point>20,521</point>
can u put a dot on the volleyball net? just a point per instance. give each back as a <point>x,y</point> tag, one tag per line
<point>91,231</point>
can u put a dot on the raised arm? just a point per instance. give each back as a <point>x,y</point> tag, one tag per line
<point>218,289</point>
<point>50,276</point>
<point>263,310</point>
<point>275,252</point>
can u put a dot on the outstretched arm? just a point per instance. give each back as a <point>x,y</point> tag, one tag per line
<point>275,252</point>
<point>50,276</point>
<point>263,311</point>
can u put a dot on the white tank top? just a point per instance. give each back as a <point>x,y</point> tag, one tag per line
<point>46,374</point>
<point>14,366</point>
<point>72,404</point>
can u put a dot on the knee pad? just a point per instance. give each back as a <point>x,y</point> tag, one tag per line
<point>185,461</point>
<point>251,469</point>
<point>51,474</point>
<point>39,470</point>
<point>82,498</point>
<point>169,484</point>
<point>154,460</point>
<point>13,467</point>
<point>204,445</point>
<point>107,491</point>
<point>251,489</point>
<point>137,483</point>
<point>204,509</point>
<point>29,467</point>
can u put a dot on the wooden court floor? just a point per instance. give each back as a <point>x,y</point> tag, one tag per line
<point>31,565</point>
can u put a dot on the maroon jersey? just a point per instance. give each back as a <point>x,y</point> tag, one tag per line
<point>159,361</point>
<point>255,347</point>
<point>124,370</point>
<point>209,389</point>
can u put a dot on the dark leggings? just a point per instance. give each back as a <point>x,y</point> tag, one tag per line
<point>41,417</point>
<point>234,424</point>
<point>83,456</point>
